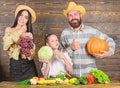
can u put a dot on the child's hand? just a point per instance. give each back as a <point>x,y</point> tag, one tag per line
<point>41,59</point>
<point>59,54</point>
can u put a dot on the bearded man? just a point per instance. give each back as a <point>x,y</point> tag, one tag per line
<point>74,40</point>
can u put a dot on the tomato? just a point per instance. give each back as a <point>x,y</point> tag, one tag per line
<point>90,79</point>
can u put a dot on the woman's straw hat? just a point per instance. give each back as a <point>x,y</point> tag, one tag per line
<point>21,7</point>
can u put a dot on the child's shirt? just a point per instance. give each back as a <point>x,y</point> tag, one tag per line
<point>57,65</point>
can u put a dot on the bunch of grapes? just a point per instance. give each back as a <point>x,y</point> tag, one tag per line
<point>26,43</point>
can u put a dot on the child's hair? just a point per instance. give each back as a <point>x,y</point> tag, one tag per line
<point>47,37</point>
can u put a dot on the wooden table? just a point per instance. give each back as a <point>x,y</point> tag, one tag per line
<point>13,85</point>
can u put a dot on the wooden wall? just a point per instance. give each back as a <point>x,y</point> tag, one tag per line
<point>101,14</point>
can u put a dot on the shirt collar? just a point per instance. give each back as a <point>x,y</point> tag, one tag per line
<point>81,29</point>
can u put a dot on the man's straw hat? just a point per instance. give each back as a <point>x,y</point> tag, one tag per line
<point>72,7</point>
<point>21,7</point>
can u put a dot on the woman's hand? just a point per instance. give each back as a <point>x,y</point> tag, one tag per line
<point>23,30</point>
<point>103,54</point>
<point>27,34</point>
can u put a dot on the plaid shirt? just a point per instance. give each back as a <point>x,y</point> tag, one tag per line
<point>82,61</point>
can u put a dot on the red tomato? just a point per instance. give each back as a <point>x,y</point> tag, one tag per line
<point>90,78</point>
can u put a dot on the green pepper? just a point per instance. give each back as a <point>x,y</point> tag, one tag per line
<point>61,76</point>
<point>23,83</point>
<point>83,80</point>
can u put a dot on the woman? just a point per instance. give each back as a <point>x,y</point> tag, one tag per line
<point>59,63</point>
<point>21,67</point>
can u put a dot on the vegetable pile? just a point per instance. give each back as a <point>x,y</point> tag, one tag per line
<point>100,76</point>
<point>94,76</point>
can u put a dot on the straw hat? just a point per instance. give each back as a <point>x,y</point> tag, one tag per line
<point>72,7</point>
<point>21,7</point>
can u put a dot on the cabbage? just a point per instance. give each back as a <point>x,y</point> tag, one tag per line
<point>45,52</point>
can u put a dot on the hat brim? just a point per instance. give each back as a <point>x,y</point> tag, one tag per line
<point>21,7</point>
<point>73,7</point>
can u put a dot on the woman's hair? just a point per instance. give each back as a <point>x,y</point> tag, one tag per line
<point>29,24</point>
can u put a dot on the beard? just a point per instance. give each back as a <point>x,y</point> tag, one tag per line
<point>75,24</point>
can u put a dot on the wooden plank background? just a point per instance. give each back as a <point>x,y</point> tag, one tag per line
<point>101,14</point>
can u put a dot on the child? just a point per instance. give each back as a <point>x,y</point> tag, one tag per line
<point>60,62</point>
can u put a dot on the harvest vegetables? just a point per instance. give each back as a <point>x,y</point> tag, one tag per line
<point>94,76</point>
<point>41,81</point>
<point>100,76</point>
<point>96,45</point>
<point>23,83</point>
<point>26,43</point>
<point>61,76</point>
<point>45,52</point>
<point>46,82</point>
<point>74,81</point>
<point>83,80</point>
<point>66,81</point>
<point>34,80</point>
<point>90,78</point>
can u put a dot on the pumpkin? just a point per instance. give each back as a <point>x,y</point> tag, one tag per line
<point>95,45</point>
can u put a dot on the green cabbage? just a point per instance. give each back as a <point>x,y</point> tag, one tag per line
<point>45,52</point>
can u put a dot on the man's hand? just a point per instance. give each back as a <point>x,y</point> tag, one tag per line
<point>75,45</point>
<point>103,54</point>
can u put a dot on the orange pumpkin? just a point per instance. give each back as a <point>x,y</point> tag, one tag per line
<point>95,45</point>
